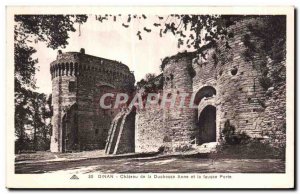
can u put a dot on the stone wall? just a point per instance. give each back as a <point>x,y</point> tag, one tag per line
<point>205,69</point>
<point>62,99</point>
<point>205,85</point>
<point>239,95</point>
<point>239,90</point>
<point>179,122</point>
<point>273,121</point>
<point>150,131</point>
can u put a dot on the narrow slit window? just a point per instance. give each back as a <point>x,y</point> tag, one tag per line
<point>72,86</point>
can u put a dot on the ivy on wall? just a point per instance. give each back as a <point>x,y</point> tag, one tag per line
<point>265,48</point>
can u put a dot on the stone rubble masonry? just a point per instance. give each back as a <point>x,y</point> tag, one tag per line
<point>239,96</point>
<point>238,89</point>
<point>179,122</point>
<point>150,130</point>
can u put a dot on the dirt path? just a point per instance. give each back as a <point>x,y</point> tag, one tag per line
<point>154,165</point>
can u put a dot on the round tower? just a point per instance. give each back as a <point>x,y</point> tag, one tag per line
<point>241,95</point>
<point>78,82</point>
<point>64,72</point>
<point>178,122</point>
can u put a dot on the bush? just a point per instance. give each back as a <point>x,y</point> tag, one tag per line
<point>254,149</point>
<point>167,138</point>
<point>161,149</point>
<point>184,148</point>
<point>231,137</point>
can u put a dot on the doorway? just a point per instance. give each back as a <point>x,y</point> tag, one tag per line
<point>207,125</point>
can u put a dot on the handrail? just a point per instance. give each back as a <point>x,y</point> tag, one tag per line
<point>193,140</point>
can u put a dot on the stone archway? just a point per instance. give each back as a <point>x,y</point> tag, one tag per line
<point>207,125</point>
<point>206,130</point>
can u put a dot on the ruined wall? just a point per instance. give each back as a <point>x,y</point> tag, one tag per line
<point>273,121</point>
<point>239,95</point>
<point>205,69</point>
<point>242,99</point>
<point>240,92</point>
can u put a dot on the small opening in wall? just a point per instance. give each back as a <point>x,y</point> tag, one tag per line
<point>221,72</point>
<point>249,99</point>
<point>172,76</point>
<point>96,131</point>
<point>242,73</point>
<point>247,121</point>
<point>234,71</point>
<point>72,86</point>
<point>225,113</point>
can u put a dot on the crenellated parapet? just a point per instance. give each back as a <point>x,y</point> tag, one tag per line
<point>64,69</point>
<point>80,64</point>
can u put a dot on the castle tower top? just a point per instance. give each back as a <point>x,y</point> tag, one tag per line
<point>76,63</point>
<point>82,51</point>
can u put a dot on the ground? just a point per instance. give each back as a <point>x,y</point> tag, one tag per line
<point>97,162</point>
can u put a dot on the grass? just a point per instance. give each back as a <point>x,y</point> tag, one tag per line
<point>251,150</point>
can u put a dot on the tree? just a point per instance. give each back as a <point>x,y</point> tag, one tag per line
<point>198,31</point>
<point>191,31</point>
<point>29,29</point>
<point>149,76</point>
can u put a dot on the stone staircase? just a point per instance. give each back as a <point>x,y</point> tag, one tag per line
<point>120,138</point>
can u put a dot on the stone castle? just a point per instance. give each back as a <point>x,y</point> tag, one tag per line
<point>78,81</point>
<point>226,86</point>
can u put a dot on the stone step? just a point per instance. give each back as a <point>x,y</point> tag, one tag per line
<point>206,147</point>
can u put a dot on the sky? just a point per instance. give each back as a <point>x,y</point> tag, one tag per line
<point>112,41</point>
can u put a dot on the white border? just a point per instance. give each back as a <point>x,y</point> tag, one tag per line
<point>62,181</point>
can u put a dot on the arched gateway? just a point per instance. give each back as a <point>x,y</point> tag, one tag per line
<point>206,115</point>
<point>207,125</point>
